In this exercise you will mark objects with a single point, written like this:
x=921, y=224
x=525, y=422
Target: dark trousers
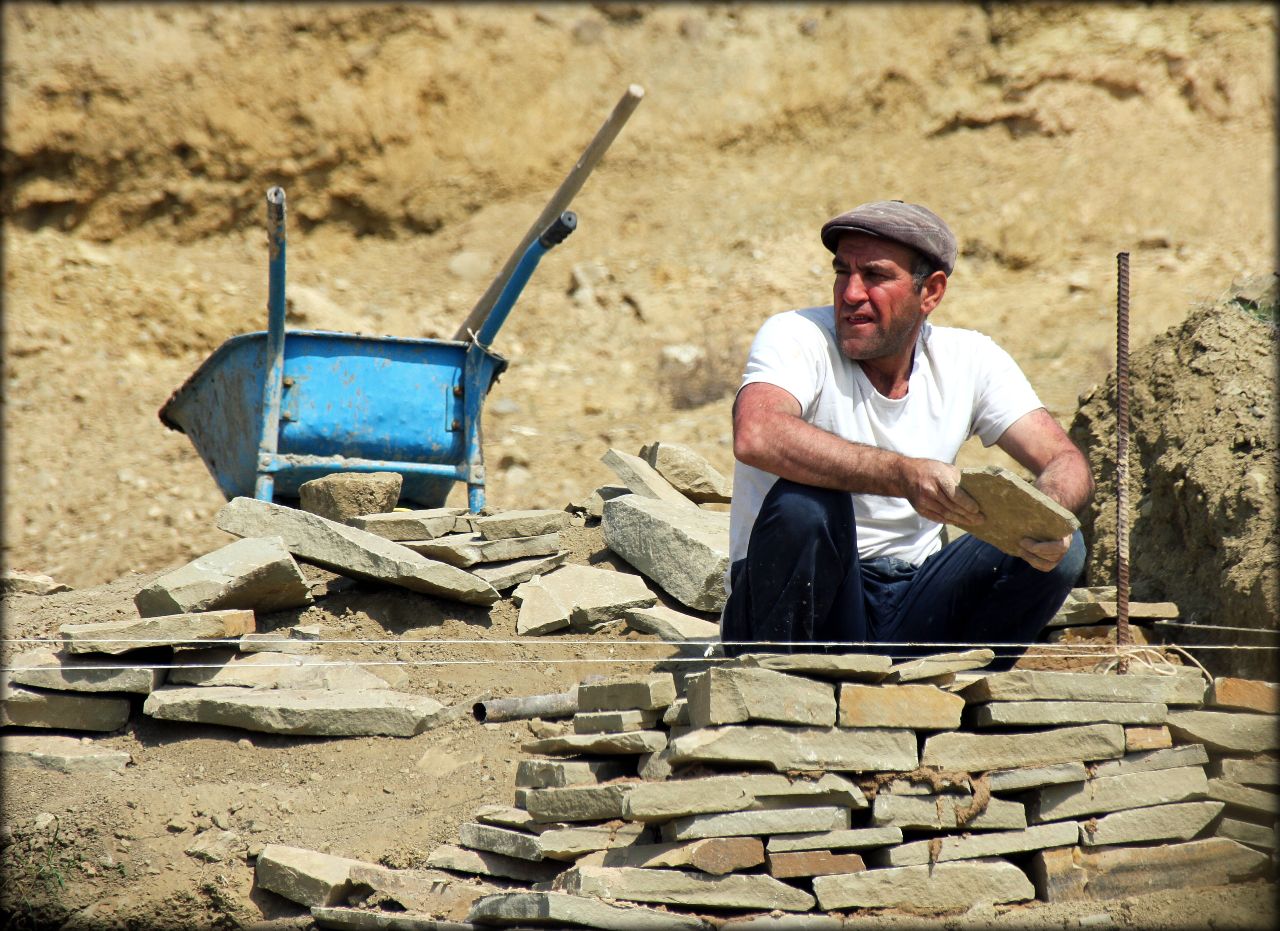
x=802, y=580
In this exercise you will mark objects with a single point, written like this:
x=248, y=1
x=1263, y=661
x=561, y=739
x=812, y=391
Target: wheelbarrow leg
x=264, y=487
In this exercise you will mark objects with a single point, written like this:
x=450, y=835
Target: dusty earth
x=416, y=144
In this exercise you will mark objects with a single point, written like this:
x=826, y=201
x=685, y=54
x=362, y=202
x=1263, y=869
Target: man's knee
x=805, y=509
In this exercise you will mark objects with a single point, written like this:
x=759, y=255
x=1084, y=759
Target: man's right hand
x=933, y=489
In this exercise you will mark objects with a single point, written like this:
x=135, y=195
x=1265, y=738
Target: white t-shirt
x=961, y=384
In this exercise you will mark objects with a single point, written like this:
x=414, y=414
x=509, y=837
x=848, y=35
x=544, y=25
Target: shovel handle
x=558, y=204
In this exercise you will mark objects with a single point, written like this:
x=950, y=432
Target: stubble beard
x=889, y=342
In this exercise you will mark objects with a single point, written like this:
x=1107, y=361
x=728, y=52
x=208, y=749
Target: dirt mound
x=1203, y=476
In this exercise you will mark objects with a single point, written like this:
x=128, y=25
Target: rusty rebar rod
x=1124, y=636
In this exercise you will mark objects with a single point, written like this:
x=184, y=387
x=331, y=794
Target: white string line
x=1086, y=651
x=161, y=641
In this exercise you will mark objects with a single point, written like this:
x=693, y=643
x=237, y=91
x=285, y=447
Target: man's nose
x=854, y=292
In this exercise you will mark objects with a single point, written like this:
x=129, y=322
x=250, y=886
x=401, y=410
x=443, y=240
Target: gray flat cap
x=909, y=224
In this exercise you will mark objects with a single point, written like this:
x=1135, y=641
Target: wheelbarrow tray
x=376, y=402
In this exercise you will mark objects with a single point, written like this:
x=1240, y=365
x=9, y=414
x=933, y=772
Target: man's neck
x=890, y=376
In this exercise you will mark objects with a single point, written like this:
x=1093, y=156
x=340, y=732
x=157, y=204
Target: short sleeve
x=1002, y=393
x=789, y=351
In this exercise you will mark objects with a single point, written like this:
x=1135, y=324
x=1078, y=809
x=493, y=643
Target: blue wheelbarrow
x=269, y=411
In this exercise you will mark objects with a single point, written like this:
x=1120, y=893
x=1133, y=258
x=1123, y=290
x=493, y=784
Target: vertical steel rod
x=1124, y=637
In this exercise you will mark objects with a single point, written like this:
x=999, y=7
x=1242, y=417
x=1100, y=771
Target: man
x=845, y=432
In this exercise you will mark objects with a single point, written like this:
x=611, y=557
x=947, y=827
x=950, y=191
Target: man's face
x=878, y=311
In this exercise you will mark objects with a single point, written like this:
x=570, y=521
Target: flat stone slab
x=256, y=574
x=682, y=548
x=499, y=840
x=1151, y=760
x=747, y=823
x=467, y=549
x=1013, y=508
x=803, y=863
x=979, y=752
x=1113, y=793
x=633, y=742
x=15, y=581
x=667, y=624
x=939, y=664
x=850, y=839
x=1105, y=610
x=1246, y=832
x=262, y=670
x=558, y=910
x=544, y=774
x=957, y=884
x=352, y=552
x=73, y=711
x=431, y=891
x=614, y=722
x=316, y=712
x=307, y=877
x=586, y=597
x=688, y=472
x=509, y=573
x=296, y=640
x=844, y=667
x=727, y=695
x=676, y=887
x=1239, y=796
x=1179, y=821
x=662, y=801
x=799, y=748
x=922, y=707
x=412, y=525
x=1153, y=737
x=1245, y=695
x=1072, y=874
x=513, y=524
x=973, y=846
x=1257, y=772
x=484, y=863
x=541, y=611
x=643, y=480
x=1228, y=731
x=1024, y=713
x=66, y=672
x=116, y=637
x=1038, y=685
x=571, y=843
x=646, y=692
x=946, y=812
x=60, y=754
x=714, y=855
x=579, y=803
x=1032, y=777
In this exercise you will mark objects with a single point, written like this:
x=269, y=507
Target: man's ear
x=932, y=290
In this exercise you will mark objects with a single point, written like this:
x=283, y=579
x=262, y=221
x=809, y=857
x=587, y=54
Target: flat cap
x=909, y=224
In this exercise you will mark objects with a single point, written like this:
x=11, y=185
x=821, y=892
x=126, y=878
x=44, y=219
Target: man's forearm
x=790, y=448
x=1066, y=480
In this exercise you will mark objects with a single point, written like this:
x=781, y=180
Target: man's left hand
x=1044, y=554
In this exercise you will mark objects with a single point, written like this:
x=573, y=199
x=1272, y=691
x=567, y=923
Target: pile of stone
x=820, y=784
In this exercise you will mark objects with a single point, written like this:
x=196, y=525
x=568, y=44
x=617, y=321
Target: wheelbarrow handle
x=554, y=234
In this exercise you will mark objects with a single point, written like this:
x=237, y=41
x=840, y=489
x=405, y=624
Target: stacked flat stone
x=809, y=784
x=504, y=549
x=1089, y=616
